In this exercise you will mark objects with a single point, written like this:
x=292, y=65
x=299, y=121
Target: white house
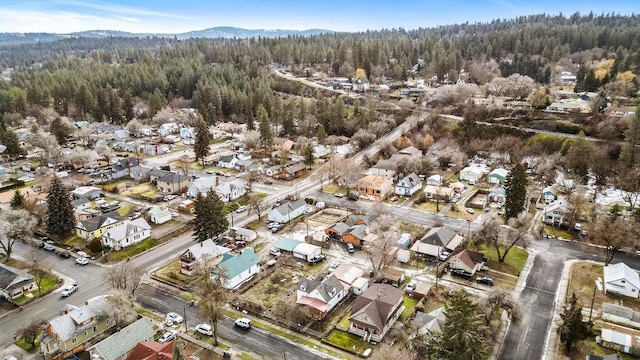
x=621, y=279
x=231, y=190
x=467, y=261
x=306, y=251
x=202, y=186
x=438, y=239
x=471, y=173
x=435, y=180
x=87, y=192
x=203, y=253
x=238, y=269
x=556, y=212
x=244, y=234
x=498, y=176
x=319, y=298
x=159, y=215
x=228, y=162
x=288, y=211
x=129, y=233
x=168, y=129
x=408, y=185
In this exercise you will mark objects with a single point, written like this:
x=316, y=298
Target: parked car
x=82, y=254
x=64, y=254
x=460, y=273
x=339, y=195
x=485, y=280
x=411, y=286
x=174, y=317
x=168, y=336
x=275, y=252
x=273, y=224
x=242, y=209
x=204, y=329
x=82, y=261
x=350, y=248
x=49, y=247
x=469, y=210
x=69, y=290
x=444, y=255
x=316, y=259
x=169, y=197
x=277, y=228
x=243, y=323
x=272, y=262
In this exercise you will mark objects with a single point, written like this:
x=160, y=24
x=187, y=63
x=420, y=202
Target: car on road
x=82, y=261
x=485, y=280
x=461, y=273
x=243, y=323
x=469, y=210
x=69, y=290
x=204, y=329
x=220, y=173
x=64, y=254
x=169, y=197
x=49, y=247
x=339, y=195
x=168, y=336
x=411, y=286
x=242, y=209
x=275, y=252
x=174, y=317
x=316, y=259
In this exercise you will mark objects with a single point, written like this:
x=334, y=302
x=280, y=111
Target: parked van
x=243, y=323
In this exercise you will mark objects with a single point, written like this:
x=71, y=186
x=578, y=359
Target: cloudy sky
x=161, y=16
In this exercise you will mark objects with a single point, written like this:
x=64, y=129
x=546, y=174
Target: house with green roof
x=235, y=271
x=120, y=344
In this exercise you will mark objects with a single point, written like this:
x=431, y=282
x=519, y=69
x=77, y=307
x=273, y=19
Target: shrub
x=95, y=246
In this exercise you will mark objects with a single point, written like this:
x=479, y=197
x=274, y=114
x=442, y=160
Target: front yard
x=144, y=245
x=346, y=341
x=512, y=264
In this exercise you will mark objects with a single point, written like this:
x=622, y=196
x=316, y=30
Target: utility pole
x=593, y=299
x=184, y=314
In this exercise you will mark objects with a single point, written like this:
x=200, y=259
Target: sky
x=164, y=16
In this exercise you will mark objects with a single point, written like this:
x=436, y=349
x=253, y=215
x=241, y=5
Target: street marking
x=38, y=312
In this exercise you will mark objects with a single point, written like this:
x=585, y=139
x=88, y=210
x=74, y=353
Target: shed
x=306, y=251
x=498, y=176
x=360, y=285
x=286, y=244
x=244, y=234
x=421, y=290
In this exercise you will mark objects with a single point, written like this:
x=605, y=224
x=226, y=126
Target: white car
x=168, y=336
x=411, y=286
x=275, y=252
x=69, y=290
x=243, y=323
x=241, y=209
x=174, y=317
x=204, y=329
x=470, y=210
x=82, y=261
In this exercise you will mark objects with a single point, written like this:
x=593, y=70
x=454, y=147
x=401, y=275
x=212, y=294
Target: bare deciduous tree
x=258, y=204
x=80, y=158
x=503, y=238
x=213, y=298
x=29, y=333
x=613, y=233
x=39, y=268
x=17, y=225
x=501, y=300
x=125, y=277
x=134, y=126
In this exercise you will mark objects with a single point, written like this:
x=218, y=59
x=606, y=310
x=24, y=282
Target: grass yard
x=331, y=188
x=48, y=283
x=346, y=341
x=459, y=211
x=150, y=314
x=111, y=187
x=513, y=263
x=172, y=274
x=124, y=211
x=75, y=241
x=144, y=189
x=28, y=347
x=429, y=206
x=132, y=250
x=254, y=225
x=344, y=323
x=244, y=356
x=557, y=232
x=410, y=307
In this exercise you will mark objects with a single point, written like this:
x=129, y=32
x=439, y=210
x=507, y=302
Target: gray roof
x=67, y=325
x=158, y=172
x=621, y=311
x=126, y=339
x=11, y=277
x=127, y=163
x=328, y=288
x=96, y=222
x=439, y=236
x=172, y=178
x=290, y=206
x=207, y=248
x=411, y=179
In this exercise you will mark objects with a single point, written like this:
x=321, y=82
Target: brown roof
x=375, y=305
x=469, y=258
x=294, y=168
x=390, y=273
x=152, y=350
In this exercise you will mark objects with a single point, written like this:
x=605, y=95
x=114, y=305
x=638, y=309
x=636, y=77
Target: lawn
x=344, y=323
x=557, y=232
x=459, y=211
x=410, y=307
x=346, y=341
x=27, y=347
x=172, y=274
x=111, y=187
x=48, y=283
x=150, y=314
x=75, y=241
x=513, y=263
x=429, y=206
x=132, y=250
x=124, y=211
x=331, y=188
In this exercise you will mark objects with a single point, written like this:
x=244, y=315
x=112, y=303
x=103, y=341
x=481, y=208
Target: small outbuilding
x=306, y=251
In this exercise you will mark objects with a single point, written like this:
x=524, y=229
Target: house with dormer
x=437, y=240
x=320, y=297
x=205, y=253
x=122, y=168
x=68, y=333
x=202, y=186
x=375, y=311
x=96, y=226
x=129, y=233
x=231, y=190
x=173, y=183
x=556, y=213
x=408, y=185
x=15, y=282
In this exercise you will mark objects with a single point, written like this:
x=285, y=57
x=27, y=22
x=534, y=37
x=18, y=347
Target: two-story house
x=122, y=167
x=320, y=297
x=557, y=212
x=231, y=190
x=236, y=270
x=173, y=183
x=66, y=334
x=408, y=185
x=96, y=226
x=378, y=187
x=129, y=233
x=202, y=186
x=375, y=311
x=203, y=254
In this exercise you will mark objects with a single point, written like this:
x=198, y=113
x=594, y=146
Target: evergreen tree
x=309, y=159
x=202, y=140
x=516, y=191
x=630, y=153
x=321, y=134
x=18, y=200
x=264, y=126
x=464, y=332
x=156, y=102
x=60, y=131
x=210, y=217
x=60, y=218
x=573, y=328
x=9, y=139
x=127, y=106
x=288, y=125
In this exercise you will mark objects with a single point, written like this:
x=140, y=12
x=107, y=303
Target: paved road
x=255, y=341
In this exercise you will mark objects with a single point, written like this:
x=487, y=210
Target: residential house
x=377, y=187
x=375, y=311
x=498, y=176
x=87, y=192
x=384, y=167
x=441, y=193
x=227, y=162
x=152, y=350
x=243, y=234
x=348, y=274
x=173, y=183
x=361, y=84
x=129, y=233
x=410, y=153
x=320, y=297
x=168, y=129
x=430, y=323
x=467, y=261
x=245, y=165
x=122, y=168
x=556, y=212
x=549, y=194
x=201, y=254
x=622, y=280
x=354, y=234
x=119, y=345
x=437, y=240
x=472, y=174
x=154, y=149
x=155, y=174
x=288, y=211
x=570, y=106
x=66, y=334
x=96, y=226
x=457, y=187
x=408, y=185
x=15, y=282
x=435, y=180
x=620, y=328
x=269, y=170
x=286, y=244
x=306, y=251
x=498, y=194
x=391, y=275
x=202, y=186
x=236, y=270
x=139, y=173
x=282, y=144
x=354, y=219
x=81, y=204
x=159, y=215
x=120, y=135
x=231, y=190
x=292, y=171
x=321, y=151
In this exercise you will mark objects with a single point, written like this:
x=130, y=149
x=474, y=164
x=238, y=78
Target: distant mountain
x=212, y=33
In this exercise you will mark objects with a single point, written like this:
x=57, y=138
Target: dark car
x=485, y=280
x=64, y=254
x=316, y=259
x=460, y=273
